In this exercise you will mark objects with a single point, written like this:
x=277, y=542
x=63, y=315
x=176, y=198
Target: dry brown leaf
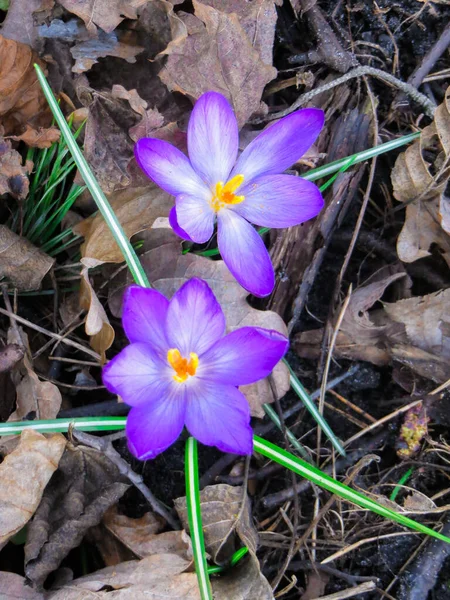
x=422, y=184
x=243, y=582
x=38, y=138
x=22, y=101
x=142, y=536
x=157, y=577
x=97, y=324
x=21, y=262
x=167, y=269
x=151, y=119
x=87, y=53
x=13, y=175
x=10, y=356
x=85, y=486
x=136, y=209
x=20, y=494
x=258, y=19
x=225, y=512
x=15, y=587
x=106, y=14
x=218, y=46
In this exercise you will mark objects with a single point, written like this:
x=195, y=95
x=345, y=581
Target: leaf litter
x=134, y=69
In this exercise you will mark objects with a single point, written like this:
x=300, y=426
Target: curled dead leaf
x=87, y=53
x=97, y=324
x=21, y=262
x=107, y=14
x=218, y=45
x=21, y=494
x=15, y=587
x=167, y=269
x=10, y=355
x=22, y=102
x=422, y=185
x=13, y=175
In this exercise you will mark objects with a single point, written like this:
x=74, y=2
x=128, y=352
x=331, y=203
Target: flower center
x=182, y=366
x=224, y=194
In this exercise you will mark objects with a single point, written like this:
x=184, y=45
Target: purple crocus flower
x=180, y=369
x=214, y=184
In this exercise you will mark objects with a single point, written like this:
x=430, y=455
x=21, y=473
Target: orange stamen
x=224, y=194
x=182, y=366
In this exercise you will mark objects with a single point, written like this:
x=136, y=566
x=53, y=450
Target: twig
x=428, y=106
x=104, y=444
x=362, y=588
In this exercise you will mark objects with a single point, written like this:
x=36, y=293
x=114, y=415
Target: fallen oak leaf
x=107, y=14
x=21, y=262
x=167, y=270
x=21, y=494
x=85, y=486
x=218, y=45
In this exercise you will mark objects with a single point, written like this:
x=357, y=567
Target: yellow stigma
x=182, y=366
x=224, y=194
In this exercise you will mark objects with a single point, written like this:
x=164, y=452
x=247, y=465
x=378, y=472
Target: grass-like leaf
x=100, y=199
x=195, y=519
x=323, y=480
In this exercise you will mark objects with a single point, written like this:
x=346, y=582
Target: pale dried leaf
x=13, y=175
x=9, y=356
x=225, y=512
x=157, y=577
x=167, y=269
x=21, y=494
x=21, y=262
x=38, y=138
x=106, y=14
x=97, y=324
x=135, y=208
x=20, y=20
x=416, y=180
x=15, y=587
x=417, y=502
x=85, y=486
x=217, y=45
x=243, y=582
x=142, y=536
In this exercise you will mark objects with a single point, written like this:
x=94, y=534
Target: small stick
x=362, y=588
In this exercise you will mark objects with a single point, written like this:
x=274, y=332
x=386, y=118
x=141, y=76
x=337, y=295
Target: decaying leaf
x=217, y=45
x=15, y=587
x=86, y=484
x=136, y=209
x=422, y=184
x=21, y=493
x=87, y=53
x=414, y=332
x=10, y=355
x=22, y=101
x=258, y=19
x=13, y=175
x=225, y=512
x=21, y=262
x=243, y=582
x=19, y=23
x=142, y=536
x=106, y=14
x=167, y=269
x=97, y=324
x=151, y=120
x=156, y=577
x=414, y=428
x=38, y=138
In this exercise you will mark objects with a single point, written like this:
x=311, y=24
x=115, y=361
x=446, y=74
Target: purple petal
x=213, y=138
x=243, y=356
x=153, y=427
x=280, y=145
x=138, y=375
x=196, y=217
x=219, y=415
x=144, y=317
x=169, y=168
x=195, y=320
x=173, y=222
x=279, y=201
x=244, y=253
